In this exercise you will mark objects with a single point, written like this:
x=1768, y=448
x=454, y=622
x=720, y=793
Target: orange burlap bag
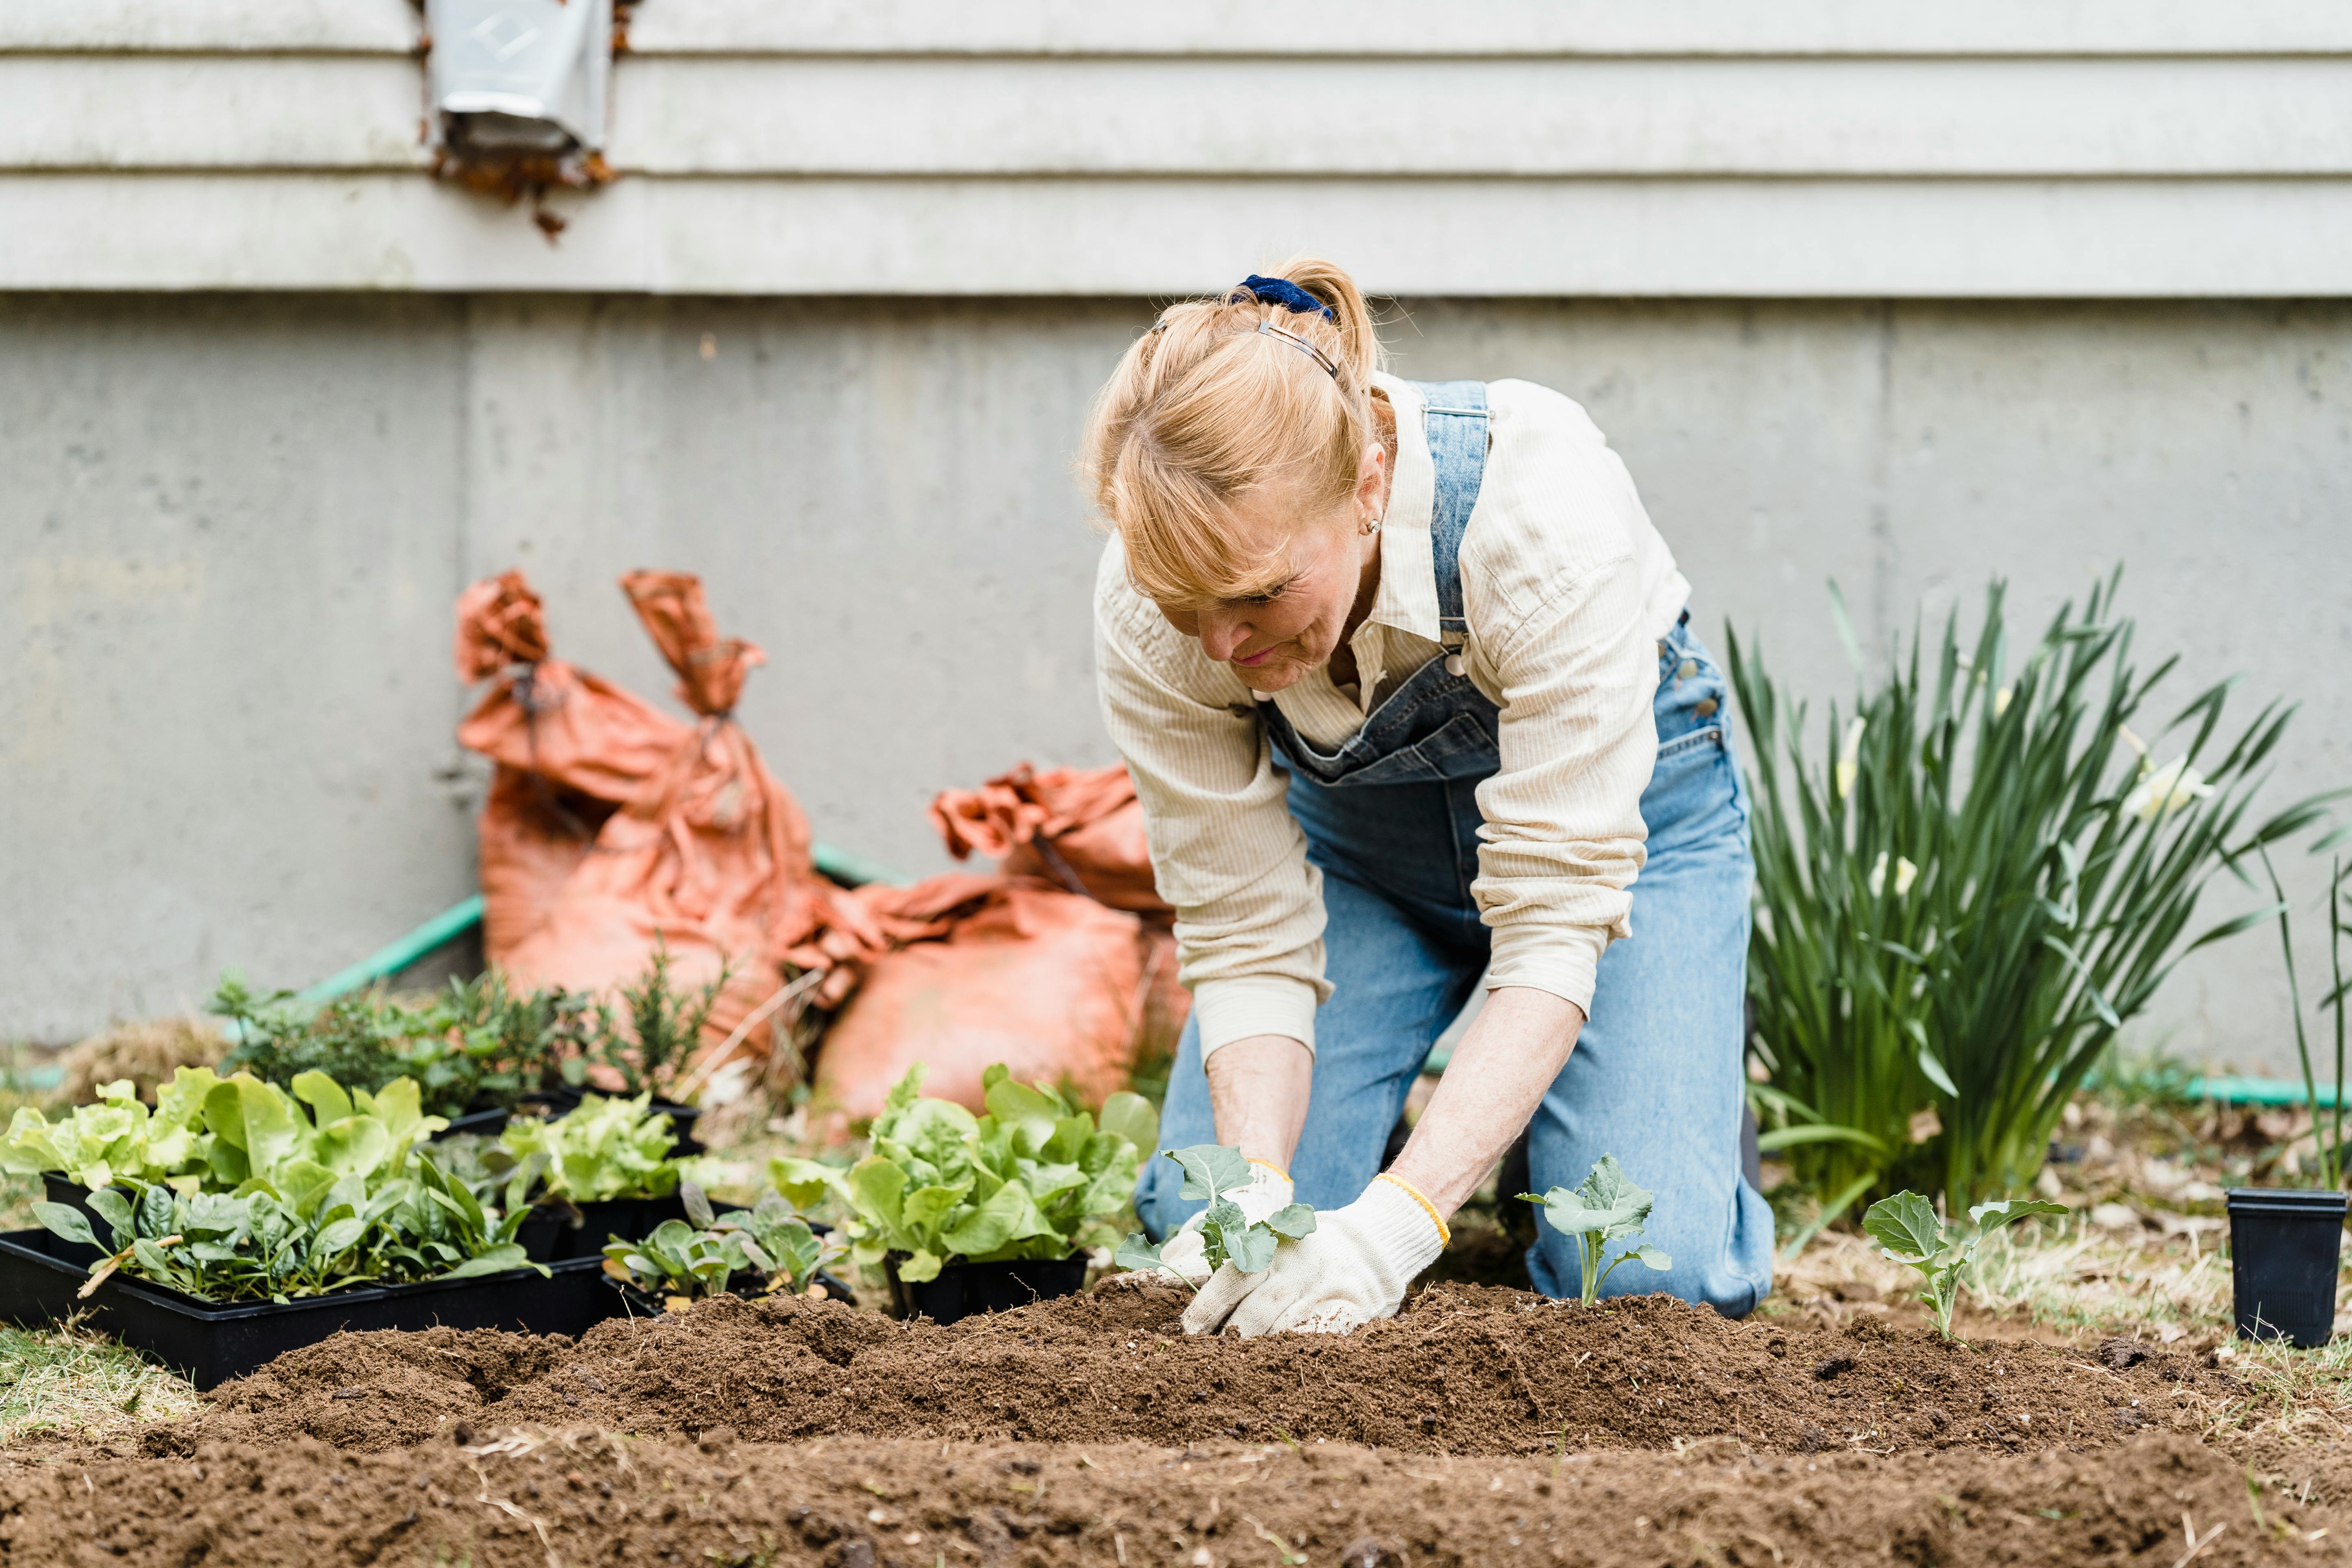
x=1080, y=828
x=994, y=969
x=570, y=748
x=709, y=857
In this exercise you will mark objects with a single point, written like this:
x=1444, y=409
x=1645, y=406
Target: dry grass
x=70, y=1382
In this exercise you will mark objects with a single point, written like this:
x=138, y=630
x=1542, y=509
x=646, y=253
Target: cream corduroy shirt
x=1567, y=588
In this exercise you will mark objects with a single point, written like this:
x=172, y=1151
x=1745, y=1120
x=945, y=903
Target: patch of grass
x=82, y=1384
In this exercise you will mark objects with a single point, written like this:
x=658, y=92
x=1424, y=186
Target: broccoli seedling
x=1906, y=1227
x=1605, y=1208
x=1227, y=1235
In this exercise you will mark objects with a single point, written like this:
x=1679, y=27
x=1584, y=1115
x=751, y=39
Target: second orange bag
x=1005, y=970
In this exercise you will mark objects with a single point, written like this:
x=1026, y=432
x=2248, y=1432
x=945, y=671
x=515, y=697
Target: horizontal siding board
x=1526, y=237
x=177, y=112
x=1226, y=28
x=1034, y=117
x=1517, y=118
x=1412, y=28
x=210, y=26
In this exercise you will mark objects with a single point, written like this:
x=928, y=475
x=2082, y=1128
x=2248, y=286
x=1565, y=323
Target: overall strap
x=1454, y=417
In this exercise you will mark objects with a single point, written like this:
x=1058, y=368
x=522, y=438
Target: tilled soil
x=1464, y=1371
x=1481, y=1426
x=541, y=1499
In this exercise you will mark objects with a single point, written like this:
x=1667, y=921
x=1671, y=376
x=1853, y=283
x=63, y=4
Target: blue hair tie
x=1282, y=291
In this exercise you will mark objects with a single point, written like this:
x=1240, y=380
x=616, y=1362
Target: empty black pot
x=2283, y=1249
x=964, y=1289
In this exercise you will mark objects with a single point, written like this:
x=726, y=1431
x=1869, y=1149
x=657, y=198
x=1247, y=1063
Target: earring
x=1368, y=527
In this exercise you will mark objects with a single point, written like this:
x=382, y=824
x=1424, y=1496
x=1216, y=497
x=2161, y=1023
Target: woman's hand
x=1360, y=1260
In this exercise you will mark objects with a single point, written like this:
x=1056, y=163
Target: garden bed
x=1482, y=1427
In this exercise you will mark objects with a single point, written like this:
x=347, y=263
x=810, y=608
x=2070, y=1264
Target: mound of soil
x=1464, y=1371
x=533, y=1499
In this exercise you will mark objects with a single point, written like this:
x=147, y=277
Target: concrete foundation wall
x=231, y=528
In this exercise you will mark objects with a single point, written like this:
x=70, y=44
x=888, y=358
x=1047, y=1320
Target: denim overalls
x=1392, y=819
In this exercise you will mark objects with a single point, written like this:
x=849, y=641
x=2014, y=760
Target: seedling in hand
x=1227, y=1235
x=1606, y=1207
x=1906, y=1227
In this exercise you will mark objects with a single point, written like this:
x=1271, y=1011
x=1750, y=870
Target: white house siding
x=1900, y=295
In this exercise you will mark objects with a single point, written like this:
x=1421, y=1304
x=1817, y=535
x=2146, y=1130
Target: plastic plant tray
x=210, y=1343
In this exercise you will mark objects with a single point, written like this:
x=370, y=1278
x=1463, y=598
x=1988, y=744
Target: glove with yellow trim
x=1185, y=1252
x=1353, y=1267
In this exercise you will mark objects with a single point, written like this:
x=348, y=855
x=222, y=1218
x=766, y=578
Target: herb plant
x=474, y=1045
x=1604, y=1207
x=658, y=1028
x=1227, y=1235
x=1906, y=1227
x=606, y=1149
x=1966, y=893
x=1034, y=1178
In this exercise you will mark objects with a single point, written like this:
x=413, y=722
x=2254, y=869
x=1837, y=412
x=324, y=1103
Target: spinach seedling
x=1606, y=1207
x=1227, y=1235
x=1906, y=1227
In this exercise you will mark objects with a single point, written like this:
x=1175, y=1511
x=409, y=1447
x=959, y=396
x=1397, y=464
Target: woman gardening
x=1404, y=677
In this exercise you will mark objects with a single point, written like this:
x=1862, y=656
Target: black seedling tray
x=965, y=1289
x=212, y=1344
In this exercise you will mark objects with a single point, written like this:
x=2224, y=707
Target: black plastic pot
x=212, y=1344
x=2283, y=1250
x=965, y=1289
x=581, y=1230
x=488, y=1124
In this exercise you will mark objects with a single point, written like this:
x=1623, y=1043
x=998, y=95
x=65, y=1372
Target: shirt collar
x=1407, y=598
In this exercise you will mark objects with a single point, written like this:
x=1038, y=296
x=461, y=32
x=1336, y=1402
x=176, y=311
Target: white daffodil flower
x=1906, y=873
x=2166, y=790
x=2000, y=700
x=1849, y=763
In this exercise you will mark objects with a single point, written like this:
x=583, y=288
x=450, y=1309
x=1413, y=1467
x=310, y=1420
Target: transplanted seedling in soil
x=1906, y=1227
x=1227, y=1235
x=1605, y=1208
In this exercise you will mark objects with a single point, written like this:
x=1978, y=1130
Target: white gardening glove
x=1268, y=1190
x=1352, y=1269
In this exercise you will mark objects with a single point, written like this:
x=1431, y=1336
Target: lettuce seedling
x=1605, y=1208
x=1033, y=1178
x=606, y=1149
x=1906, y=1227
x=1227, y=1235
x=119, y=1139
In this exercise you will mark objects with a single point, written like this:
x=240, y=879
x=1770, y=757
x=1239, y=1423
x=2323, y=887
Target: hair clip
x=1325, y=361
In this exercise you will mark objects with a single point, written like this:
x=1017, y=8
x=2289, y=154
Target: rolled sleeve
x=1563, y=837
x=1224, y=850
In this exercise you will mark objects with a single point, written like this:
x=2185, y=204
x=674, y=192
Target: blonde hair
x=1207, y=407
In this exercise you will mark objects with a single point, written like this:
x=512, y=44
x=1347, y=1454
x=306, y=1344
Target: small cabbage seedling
x=687, y=1260
x=1906, y=1227
x=1227, y=1235
x=1606, y=1207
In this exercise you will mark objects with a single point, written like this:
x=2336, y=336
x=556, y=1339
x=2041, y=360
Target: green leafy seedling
x=1605, y=1208
x=1906, y=1227
x=1227, y=1235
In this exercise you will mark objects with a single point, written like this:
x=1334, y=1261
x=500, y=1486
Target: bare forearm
x=1258, y=1089
x=1510, y=1056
